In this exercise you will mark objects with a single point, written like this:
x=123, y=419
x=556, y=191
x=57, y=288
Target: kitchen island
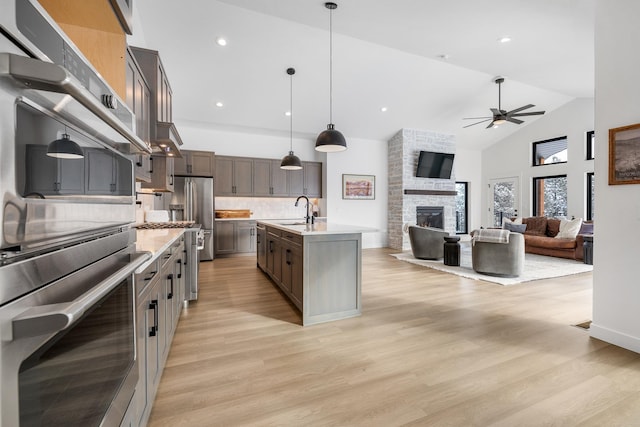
x=317, y=266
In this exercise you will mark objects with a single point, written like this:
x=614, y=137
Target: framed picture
x=624, y=155
x=358, y=187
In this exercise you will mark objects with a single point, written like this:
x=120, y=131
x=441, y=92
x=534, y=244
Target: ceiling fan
x=501, y=116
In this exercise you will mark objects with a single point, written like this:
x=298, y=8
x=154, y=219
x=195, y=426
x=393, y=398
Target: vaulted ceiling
x=428, y=62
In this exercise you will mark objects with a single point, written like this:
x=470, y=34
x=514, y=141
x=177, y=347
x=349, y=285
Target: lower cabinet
x=235, y=237
x=261, y=246
x=159, y=289
x=284, y=262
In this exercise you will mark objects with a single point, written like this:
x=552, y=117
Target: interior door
x=504, y=199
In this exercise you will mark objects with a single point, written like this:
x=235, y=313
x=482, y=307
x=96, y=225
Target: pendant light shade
x=331, y=140
x=65, y=148
x=291, y=161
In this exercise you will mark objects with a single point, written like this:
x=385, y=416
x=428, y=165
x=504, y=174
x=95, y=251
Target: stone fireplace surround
x=407, y=192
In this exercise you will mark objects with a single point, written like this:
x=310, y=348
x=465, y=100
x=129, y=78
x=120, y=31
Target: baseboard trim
x=615, y=337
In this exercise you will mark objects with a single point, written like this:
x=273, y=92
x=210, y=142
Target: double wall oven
x=67, y=246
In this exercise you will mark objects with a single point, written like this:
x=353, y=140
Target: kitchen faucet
x=308, y=217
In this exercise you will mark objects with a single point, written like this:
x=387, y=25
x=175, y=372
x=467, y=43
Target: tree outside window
x=550, y=196
x=462, y=226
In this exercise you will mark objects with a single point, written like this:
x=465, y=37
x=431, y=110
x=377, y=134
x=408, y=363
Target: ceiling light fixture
x=504, y=39
x=219, y=104
x=291, y=161
x=64, y=148
x=383, y=109
x=330, y=140
x=221, y=41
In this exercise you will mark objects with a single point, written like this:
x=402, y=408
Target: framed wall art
x=358, y=187
x=624, y=155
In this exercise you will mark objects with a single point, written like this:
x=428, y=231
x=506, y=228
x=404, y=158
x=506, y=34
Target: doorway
x=504, y=199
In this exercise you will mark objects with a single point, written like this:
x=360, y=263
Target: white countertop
x=299, y=227
x=155, y=241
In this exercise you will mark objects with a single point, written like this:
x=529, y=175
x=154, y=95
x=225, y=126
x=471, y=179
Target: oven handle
x=46, y=76
x=52, y=318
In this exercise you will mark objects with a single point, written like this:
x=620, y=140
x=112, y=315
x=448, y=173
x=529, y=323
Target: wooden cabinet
x=106, y=174
x=291, y=259
x=233, y=176
x=195, y=163
x=268, y=179
x=242, y=176
x=138, y=99
x=162, y=175
x=261, y=246
x=235, y=237
x=274, y=254
x=50, y=176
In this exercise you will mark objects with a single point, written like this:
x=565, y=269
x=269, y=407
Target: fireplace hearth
x=430, y=216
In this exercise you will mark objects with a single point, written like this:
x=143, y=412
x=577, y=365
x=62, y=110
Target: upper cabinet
x=124, y=12
x=243, y=176
x=163, y=134
x=162, y=174
x=138, y=99
x=195, y=163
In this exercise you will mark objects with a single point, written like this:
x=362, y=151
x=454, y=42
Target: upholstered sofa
x=540, y=238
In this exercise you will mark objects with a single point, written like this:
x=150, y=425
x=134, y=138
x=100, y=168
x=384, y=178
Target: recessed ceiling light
x=287, y=113
x=219, y=104
x=221, y=41
x=383, y=109
x=504, y=39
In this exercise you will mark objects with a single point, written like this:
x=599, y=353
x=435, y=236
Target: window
x=550, y=151
x=590, y=195
x=462, y=206
x=550, y=196
x=591, y=141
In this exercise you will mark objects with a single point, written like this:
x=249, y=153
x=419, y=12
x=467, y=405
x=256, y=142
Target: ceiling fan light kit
x=501, y=116
x=291, y=161
x=331, y=140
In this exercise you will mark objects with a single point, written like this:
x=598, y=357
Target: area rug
x=536, y=267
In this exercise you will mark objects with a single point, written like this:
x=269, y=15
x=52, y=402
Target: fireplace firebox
x=430, y=216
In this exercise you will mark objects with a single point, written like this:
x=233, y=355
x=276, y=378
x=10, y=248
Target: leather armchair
x=427, y=242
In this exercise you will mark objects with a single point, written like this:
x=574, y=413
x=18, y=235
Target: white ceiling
x=386, y=53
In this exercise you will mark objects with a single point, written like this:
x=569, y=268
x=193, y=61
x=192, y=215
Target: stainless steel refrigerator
x=192, y=200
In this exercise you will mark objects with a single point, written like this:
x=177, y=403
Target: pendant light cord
x=291, y=112
x=330, y=65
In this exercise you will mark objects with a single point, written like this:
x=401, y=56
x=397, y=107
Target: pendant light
x=330, y=140
x=64, y=148
x=291, y=161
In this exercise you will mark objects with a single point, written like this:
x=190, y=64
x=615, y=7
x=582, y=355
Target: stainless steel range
x=67, y=246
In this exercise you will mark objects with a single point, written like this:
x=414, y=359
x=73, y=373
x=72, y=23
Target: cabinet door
x=261, y=247
x=285, y=260
x=180, y=165
x=224, y=176
x=261, y=177
x=201, y=163
x=279, y=186
x=296, y=276
x=225, y=237
x=143, y=167
x=296, y=182
x=243, y=177
x=101, y=174
x=245, y=236
x=274, y=257
x=312, y=179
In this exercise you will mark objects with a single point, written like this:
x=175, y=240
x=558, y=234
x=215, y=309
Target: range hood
x=167, y=140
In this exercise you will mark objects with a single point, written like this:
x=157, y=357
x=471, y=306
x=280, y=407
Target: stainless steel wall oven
x=67, y=246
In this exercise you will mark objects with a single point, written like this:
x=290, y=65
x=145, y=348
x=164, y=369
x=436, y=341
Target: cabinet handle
x=186, y=256
x=56, y=186
x=150, y=276
x=170, y=294
x=180, y=271
x=139, y=162
x=171, y=179
x=233, y=189
x=270, y=245
x=151, y=164
x=153, y=305
x=189, y=169
x=288, y=257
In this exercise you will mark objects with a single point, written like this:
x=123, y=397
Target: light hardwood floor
x=430, y=349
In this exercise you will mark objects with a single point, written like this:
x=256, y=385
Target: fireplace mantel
x=430, y=192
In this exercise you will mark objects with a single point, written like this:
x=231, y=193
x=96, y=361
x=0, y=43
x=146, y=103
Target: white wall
x=616, y=294
x=512, y=157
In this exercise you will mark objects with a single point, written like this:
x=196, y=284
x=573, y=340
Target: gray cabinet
x=233, y=176
x=307, y=181
x=261, y=246
x=162, y=175
x=138, y=99
x=235, y=237
x=161, y=104
x=195, y=163
x=274, y=254
x=291, y=260
x=105, y=174
x=50, y=176
x=268, y=179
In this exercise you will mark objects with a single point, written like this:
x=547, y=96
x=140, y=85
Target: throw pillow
x=518, y=220
x=514, y=228
x=536, y=225
x=569, y=228
x=586, y=228
x=553, y=227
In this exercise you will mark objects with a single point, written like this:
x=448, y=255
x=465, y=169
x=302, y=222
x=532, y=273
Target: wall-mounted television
x=434, y=165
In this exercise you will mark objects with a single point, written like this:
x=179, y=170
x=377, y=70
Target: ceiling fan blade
x=490, y=125
x=520, y=109
x=496, y=112
x=512, y=120
x=476, y=118
x=533, y=113
x=477, y=123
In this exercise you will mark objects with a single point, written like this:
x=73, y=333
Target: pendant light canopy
x=331, y=140
x=64, y=148
x=291, y=161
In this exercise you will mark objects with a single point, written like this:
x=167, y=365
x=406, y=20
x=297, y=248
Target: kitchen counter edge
x=155, y=242
x=317, y=228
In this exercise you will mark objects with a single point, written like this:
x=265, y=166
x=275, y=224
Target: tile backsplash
x=267, y=208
